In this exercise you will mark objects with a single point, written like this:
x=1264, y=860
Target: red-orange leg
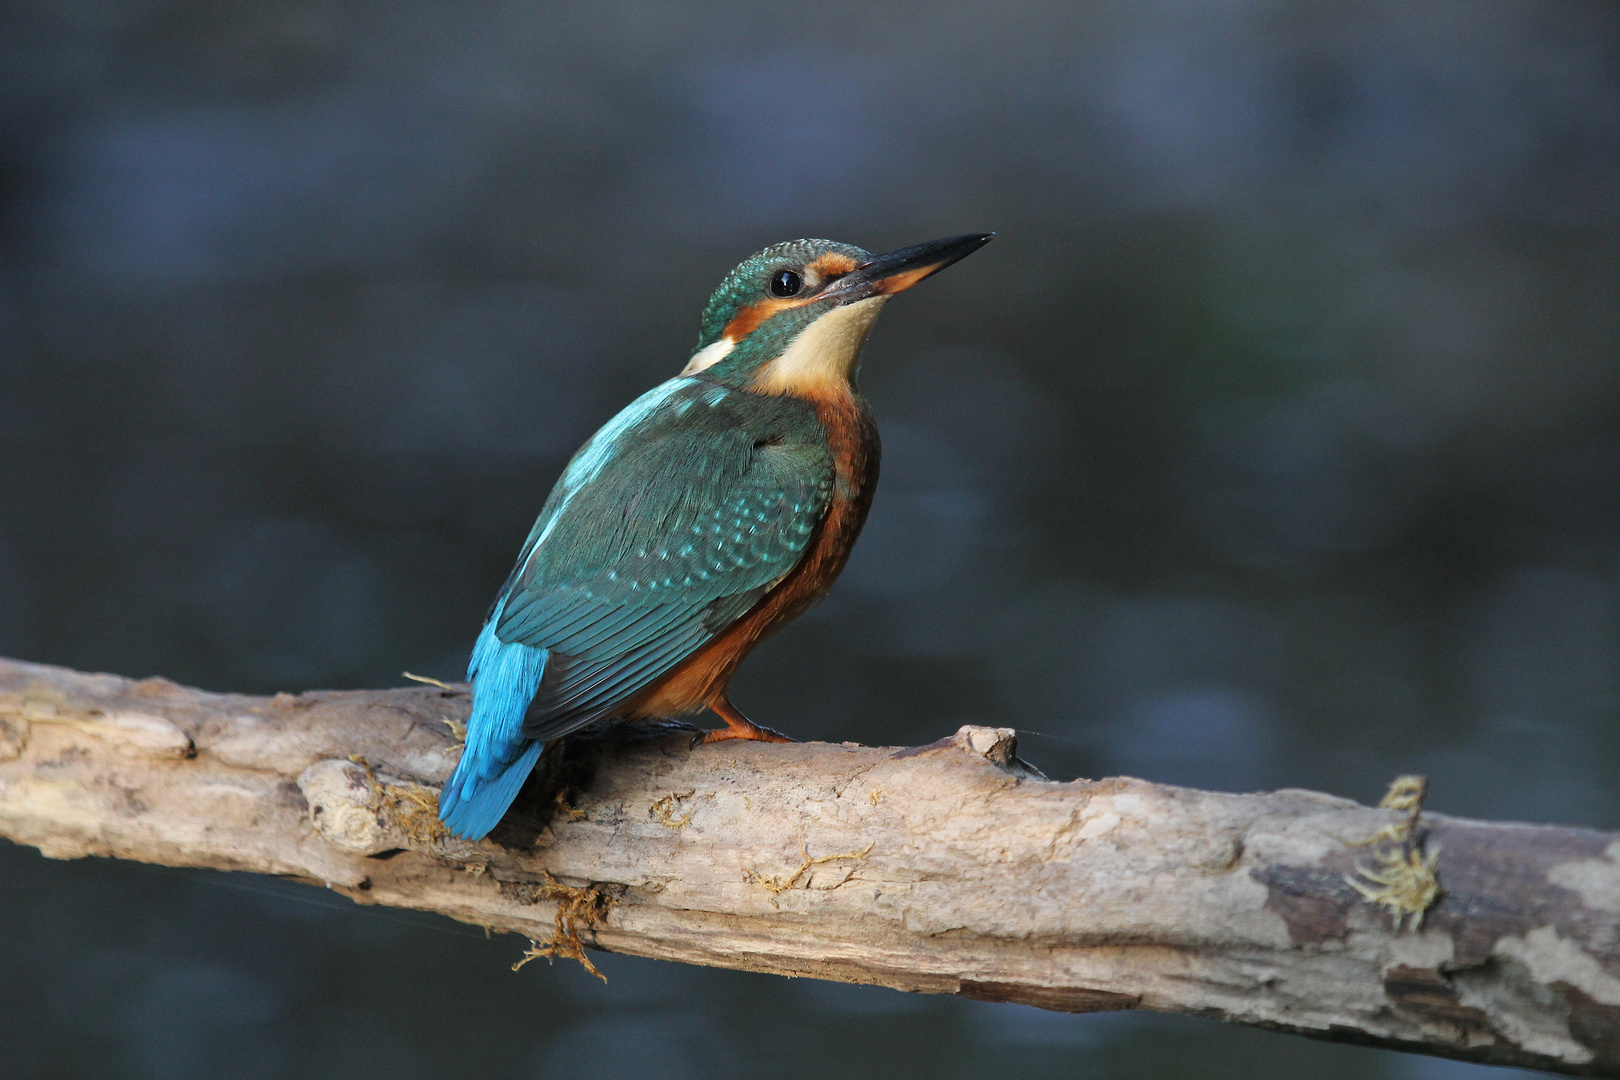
x=737, y=726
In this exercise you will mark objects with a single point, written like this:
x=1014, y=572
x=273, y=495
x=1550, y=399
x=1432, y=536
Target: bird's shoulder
x=693, y=486
x=699, y=425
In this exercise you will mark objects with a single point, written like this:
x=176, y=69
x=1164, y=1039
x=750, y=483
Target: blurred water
x=1273, y=442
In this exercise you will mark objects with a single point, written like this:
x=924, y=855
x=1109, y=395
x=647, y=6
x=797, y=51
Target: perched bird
x=714, y=509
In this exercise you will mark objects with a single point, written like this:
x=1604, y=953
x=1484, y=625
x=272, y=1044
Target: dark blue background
x=1274, y=442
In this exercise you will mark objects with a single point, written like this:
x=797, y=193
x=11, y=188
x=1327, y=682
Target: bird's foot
x=755, y=732
x=737, y=726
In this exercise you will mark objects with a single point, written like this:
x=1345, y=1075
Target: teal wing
x=657, y=541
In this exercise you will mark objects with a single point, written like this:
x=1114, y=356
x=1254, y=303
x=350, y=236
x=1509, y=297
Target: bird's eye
x=786, y=283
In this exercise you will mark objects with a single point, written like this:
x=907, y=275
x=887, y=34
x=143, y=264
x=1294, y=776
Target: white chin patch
x=825, y=353
x=708, y=356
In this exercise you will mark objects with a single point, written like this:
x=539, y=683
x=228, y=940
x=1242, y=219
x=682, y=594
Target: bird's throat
x=820, y=362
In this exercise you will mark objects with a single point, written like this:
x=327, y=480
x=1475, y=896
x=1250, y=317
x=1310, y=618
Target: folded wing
x=678, y=531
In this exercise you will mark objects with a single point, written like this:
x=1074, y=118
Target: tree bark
x=949, y=868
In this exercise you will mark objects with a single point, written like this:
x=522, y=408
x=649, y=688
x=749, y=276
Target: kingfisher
x=711, y=511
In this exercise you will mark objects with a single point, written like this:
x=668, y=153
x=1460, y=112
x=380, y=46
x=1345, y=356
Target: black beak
x=898, y=270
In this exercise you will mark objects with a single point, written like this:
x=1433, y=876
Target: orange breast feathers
x=702, y=677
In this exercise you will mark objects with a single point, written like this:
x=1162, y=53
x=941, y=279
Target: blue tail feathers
x=471, y=814
x=497, y=758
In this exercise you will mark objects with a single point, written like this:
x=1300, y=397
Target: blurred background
x=1274, y=442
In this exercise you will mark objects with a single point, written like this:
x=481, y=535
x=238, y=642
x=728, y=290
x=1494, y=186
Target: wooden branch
x=948, y=868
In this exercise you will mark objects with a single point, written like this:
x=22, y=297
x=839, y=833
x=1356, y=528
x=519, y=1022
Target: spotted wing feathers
x=680, y=529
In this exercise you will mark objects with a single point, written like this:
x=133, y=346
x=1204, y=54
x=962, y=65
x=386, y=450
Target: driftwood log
x=951, y=868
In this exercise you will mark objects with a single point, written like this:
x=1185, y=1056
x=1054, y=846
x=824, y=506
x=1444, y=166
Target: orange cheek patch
x=747, y=320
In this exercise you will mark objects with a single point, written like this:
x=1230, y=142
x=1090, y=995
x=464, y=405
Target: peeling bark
x=949, y=868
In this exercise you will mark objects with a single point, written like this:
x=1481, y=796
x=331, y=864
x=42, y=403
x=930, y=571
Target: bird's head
x=792, y=319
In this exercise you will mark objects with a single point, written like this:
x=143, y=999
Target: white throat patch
x=825, y=353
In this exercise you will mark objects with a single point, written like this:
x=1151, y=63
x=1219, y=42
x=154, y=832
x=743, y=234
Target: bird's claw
x=759, y=733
